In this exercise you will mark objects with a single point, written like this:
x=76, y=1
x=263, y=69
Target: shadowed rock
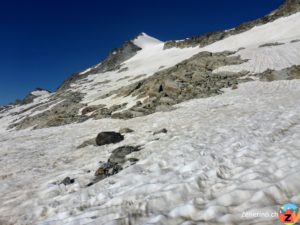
x=67, y=181
x=109, y=137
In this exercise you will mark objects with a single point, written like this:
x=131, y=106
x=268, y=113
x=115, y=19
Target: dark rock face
x=289, y=7
x=116, y=57
x=108, y=137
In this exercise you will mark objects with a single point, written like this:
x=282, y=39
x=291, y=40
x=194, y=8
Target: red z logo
x=287, y=218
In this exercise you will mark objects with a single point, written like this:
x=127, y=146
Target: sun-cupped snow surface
x=283, y=30
x=222, y=156
x=275, y=57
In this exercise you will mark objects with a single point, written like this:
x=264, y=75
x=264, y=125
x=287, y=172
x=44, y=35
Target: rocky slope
x=178, y=132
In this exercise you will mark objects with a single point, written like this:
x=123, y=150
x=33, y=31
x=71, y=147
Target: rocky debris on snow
x=108, y=137
x=162, y=131
x=65, y=112
x=118, y=155
x=192, y=78
x=284, y=74
x=101, y=112
x=67, y=181
x=294, y=41
x=108, y=169
x=115, y=162
x=270, y=44
x=91, y=108
x=289, y=7
x=125, y=130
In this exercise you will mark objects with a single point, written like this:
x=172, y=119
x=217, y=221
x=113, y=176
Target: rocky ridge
x=288, y=8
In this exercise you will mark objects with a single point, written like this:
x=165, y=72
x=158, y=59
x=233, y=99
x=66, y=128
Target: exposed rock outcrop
x=113, y=62
x=192, y=78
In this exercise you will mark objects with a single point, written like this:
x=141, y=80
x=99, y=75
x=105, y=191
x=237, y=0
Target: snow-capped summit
x=143, y=40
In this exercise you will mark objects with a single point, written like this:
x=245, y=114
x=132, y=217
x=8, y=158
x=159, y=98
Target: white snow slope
x=222, y=156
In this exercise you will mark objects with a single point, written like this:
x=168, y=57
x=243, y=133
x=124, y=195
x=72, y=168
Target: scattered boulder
x=115, y=162
x=67, y=181
x=162, y=131
x=125, y=130
x=118, y=155
x=108, y=137
x=88, y=143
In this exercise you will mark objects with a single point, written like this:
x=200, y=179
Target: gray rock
x=294, y=41
x=270, y=44
x=108, y=137
x=125, y=130
x=118, y=155
x=88, y=143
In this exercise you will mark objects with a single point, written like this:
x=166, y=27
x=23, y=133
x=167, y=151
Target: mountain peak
x=143, y=40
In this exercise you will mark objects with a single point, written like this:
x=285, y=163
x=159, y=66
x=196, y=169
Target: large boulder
x=109, y=137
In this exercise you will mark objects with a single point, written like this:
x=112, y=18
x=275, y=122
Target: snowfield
x=222, y=156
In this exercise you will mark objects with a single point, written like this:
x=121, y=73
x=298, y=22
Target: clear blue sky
x=42, y=42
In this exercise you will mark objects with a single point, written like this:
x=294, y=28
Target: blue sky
x=42, y=42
